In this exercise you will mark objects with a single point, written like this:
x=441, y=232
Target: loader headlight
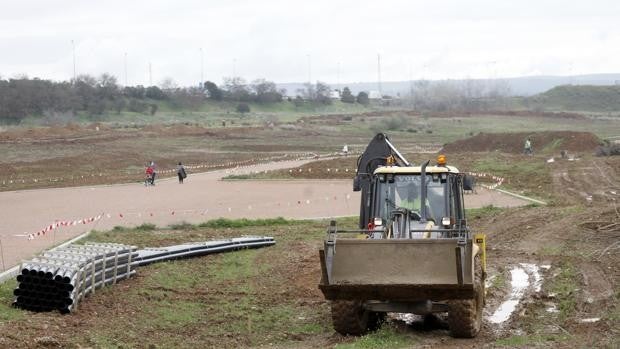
x=446, y=221
x=378, y=222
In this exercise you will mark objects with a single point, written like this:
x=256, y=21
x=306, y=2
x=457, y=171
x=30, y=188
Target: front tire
x=465, y=315
x=350, y=318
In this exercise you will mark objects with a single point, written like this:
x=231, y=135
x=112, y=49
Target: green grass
x=499, y=281
x=385, y=337
x=564, y=286
x=173, y=314
x=243, y=222
x=237, y=266
x=483, y=212
x=7, y=312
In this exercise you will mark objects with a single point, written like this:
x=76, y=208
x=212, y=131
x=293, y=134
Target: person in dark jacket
x=181, y=173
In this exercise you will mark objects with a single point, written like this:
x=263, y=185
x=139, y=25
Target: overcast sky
x=278, y=39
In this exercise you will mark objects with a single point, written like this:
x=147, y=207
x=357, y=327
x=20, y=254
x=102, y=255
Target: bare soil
x=514, y=142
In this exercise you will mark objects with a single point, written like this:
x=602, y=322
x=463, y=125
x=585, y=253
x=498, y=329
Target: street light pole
x=125, y=64
x=73, y=47
x=202, y=69
x=309, y=69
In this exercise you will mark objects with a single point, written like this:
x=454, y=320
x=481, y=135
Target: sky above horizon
x=297, y=41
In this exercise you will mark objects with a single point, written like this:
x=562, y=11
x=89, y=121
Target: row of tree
x=24, y=97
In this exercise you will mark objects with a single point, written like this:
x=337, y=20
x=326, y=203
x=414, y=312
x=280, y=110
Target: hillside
x=581, y=98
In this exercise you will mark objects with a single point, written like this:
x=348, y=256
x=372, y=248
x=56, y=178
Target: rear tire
x=465, y=315
x=350, y=318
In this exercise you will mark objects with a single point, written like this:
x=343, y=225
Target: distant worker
x=149, y=175
x=527, y=149
x=154, y=167
x=181, y=173
x=345, y=149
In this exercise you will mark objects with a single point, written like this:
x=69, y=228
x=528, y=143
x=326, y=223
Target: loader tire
x=350, y=318
x=465, y=315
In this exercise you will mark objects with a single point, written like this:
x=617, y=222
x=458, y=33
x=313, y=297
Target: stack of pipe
x=59, y=279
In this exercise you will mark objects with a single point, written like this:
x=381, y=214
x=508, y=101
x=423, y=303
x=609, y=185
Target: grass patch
x=385, y=337
x=564, y=286
x=7, y=312
x=182, y=226
x=238, y=265
x=499, y=281
x=146, y=227
x=243, y=222
x=483, y=212
x=171, y=314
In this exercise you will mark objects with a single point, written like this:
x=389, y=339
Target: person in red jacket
x=149, y=175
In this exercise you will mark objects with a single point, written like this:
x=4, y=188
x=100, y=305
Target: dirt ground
x=514, y=142
x=203, y=196
x=574, y=244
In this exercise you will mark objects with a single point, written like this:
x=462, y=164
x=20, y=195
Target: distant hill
x=519, y=86
x=584, y=98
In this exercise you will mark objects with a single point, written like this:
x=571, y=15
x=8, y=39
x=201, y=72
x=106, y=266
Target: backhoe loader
x=413, y=251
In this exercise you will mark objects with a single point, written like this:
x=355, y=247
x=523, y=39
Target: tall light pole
x=202, y=67
x=125, y=64
x=73, y=47
x=309, y=69
x=234, y=67
x=379, y=73
x=338, y=77
x=150, y=75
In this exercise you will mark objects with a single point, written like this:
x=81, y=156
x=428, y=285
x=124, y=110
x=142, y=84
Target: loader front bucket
x=396, y=270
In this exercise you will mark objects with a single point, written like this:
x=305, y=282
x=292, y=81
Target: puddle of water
x=552, y=308
x=406, y=317
x=534, y=271
x=519, y=282
x=589, y=320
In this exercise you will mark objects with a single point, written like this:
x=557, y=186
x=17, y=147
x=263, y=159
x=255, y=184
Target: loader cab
x=400, y=188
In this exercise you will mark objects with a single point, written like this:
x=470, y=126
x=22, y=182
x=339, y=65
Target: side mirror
x=357, y=185
x=469, y=182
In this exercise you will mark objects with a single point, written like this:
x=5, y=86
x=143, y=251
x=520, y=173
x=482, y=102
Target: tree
x=134, y=91
x=214, y=92
x=266, y=91
x=154, y=108
x=236, y=89
x=323, y=92
x=154, y=92
x=362, y=98
x=347, y=96
x=243, y=108
x=107, y=86
x=298, y=101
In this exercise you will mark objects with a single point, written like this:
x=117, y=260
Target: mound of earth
x=514, y=142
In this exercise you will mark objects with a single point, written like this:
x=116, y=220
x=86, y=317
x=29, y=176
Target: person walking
x=149, y=175
x=153, y=167
x=527, y=148
x=181, y=172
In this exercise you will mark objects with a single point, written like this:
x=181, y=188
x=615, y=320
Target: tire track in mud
x=525, y=281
